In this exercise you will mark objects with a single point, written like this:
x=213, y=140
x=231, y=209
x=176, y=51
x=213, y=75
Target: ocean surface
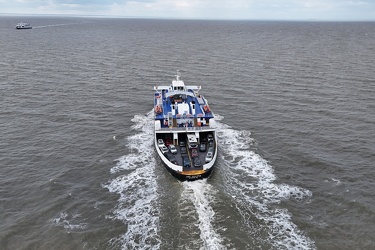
x=295, y=111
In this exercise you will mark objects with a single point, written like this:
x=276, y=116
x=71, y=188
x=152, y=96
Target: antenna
x=178, y=75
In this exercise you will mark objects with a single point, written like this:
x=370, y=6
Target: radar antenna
x=178, y=75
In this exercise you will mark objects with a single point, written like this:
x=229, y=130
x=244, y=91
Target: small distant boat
x=23, y=26
x=185, y=138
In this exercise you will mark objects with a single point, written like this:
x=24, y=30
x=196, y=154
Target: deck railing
x=186, y=129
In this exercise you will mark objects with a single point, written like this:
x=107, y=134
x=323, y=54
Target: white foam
x=54, y=25
x=251, y=180
x=138, y=203
x=338, y=182
x=202, y=195
x=69, y=222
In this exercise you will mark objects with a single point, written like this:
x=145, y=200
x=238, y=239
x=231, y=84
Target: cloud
x=209, y=9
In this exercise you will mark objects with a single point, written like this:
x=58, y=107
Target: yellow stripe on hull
x=193, y=172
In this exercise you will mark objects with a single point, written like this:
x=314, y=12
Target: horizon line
x=188, y=18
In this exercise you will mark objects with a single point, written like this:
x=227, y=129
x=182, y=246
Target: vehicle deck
x=186, y=152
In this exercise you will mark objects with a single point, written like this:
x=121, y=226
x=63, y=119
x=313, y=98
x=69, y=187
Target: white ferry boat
x=22, y=25
x=185, y=139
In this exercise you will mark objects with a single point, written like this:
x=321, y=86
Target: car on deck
x=171, y=158
x=183, y=150
x=163, y=148
x=160, y=142
x=182, y=143
x=185, y=162
x=202, y=147
x=197, y=162
x=194, y=153
x=173, y=149
x=209, y=156
x=210, y=137
x=168, y=141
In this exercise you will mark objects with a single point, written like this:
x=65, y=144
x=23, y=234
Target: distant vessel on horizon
x=22, y=26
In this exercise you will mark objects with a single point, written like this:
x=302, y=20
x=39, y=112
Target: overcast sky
x=200, y=9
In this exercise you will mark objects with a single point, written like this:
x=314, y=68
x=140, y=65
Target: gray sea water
x=295, y=110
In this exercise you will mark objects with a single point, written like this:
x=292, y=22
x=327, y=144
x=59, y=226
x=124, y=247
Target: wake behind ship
x=185, y=139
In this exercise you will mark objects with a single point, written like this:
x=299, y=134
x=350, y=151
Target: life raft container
x=206, y=109
x=158, y=109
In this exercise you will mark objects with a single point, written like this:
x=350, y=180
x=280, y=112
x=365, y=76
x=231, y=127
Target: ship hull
x=23, y=26
x=185, y=138
x=176, y=166
x=187, y=177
